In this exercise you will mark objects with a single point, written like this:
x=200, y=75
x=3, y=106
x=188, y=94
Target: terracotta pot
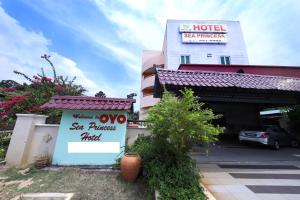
x=130, y=166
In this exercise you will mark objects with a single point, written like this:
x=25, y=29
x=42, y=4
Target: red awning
x=88, y=103
x=227, y=80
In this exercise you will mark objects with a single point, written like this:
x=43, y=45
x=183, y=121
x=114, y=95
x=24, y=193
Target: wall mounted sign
x=203, y=33
x=90, y=137
x=203, y=28
x=203, y=38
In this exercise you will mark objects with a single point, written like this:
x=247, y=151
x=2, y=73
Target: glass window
x=182, y=59
x=185, y=59
x=225, y=60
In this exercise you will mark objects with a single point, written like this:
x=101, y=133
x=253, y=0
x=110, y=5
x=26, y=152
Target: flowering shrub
x=10, y=105
x=7, y=89
x=27, y=98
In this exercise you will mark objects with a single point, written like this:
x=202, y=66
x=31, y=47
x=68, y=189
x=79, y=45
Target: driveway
x=242, y=153
x=233, y=172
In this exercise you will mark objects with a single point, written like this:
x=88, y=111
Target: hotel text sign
x=203, y=38
x=90, y=137
x=203, y=28
x=203, y=33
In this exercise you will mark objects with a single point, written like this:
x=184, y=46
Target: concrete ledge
x=138, y=128
x=156, y=195
x=207, y=192
x=47, y=125
x=32, y=115
x=47, y=196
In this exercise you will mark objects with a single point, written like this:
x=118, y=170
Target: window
x=225, y=60
x=185, y=59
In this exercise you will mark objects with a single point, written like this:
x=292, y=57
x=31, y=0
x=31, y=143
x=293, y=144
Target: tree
x=181, y=122
x=176, y=124
x=28, y=98
x=9, y=84
x=100, y=94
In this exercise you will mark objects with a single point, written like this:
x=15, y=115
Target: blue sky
x=100, y=42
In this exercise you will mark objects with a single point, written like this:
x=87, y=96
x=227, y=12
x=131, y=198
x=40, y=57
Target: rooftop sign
x=203, y=38
x=203, y=33
x=203, y=28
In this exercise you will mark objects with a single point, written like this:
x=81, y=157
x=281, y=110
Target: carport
x=238, y=97
x=234, y=171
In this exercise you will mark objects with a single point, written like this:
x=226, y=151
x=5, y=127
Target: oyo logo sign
x=109, y=118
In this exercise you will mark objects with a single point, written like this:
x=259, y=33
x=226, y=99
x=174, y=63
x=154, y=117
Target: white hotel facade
x=191, y=42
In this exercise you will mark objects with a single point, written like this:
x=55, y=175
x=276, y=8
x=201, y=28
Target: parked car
x=272, y=136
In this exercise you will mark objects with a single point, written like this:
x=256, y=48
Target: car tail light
x=264, y=135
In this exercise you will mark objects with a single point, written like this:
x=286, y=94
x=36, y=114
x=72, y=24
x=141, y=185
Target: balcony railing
x=157, y=60
x=137, y=123
x=148, y=82
x=149, y=101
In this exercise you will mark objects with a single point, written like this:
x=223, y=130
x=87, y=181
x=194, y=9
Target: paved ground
x=242, y=153
x=232, y=172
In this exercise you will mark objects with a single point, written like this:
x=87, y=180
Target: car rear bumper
x=263, y=141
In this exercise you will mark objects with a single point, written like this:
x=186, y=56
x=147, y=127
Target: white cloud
x=70, y=68
x=266, y=43
x=134, y=27
x=137, y=25
x=267, y=35
x=142, y=23
x=90, y=31
x=108, y=46
x=21, y=49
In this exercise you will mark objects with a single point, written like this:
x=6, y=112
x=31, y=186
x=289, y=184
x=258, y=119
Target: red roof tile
x=225, y=79
x=88, y=103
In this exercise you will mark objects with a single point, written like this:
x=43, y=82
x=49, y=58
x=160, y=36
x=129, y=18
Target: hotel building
x=192, y=42
x=210, y=57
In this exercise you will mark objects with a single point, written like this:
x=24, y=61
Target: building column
x=21, y=138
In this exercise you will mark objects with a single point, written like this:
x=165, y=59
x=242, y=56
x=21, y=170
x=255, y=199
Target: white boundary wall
x=32, y=137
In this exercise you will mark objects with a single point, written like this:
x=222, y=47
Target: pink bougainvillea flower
x=36, y=77
x=47, y=79
x=58, y=87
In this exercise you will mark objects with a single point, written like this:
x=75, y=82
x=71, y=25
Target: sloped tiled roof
x=88, y=103
x=227, y=80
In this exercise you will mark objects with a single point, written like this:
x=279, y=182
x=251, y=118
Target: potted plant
x=130, y=166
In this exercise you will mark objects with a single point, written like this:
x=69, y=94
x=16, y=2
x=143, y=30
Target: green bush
x=176, y=125
x=2, y=153
x=173, y=177
x=28, y=97
x=294, y=119
x=182, y=121
x=4, y=142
